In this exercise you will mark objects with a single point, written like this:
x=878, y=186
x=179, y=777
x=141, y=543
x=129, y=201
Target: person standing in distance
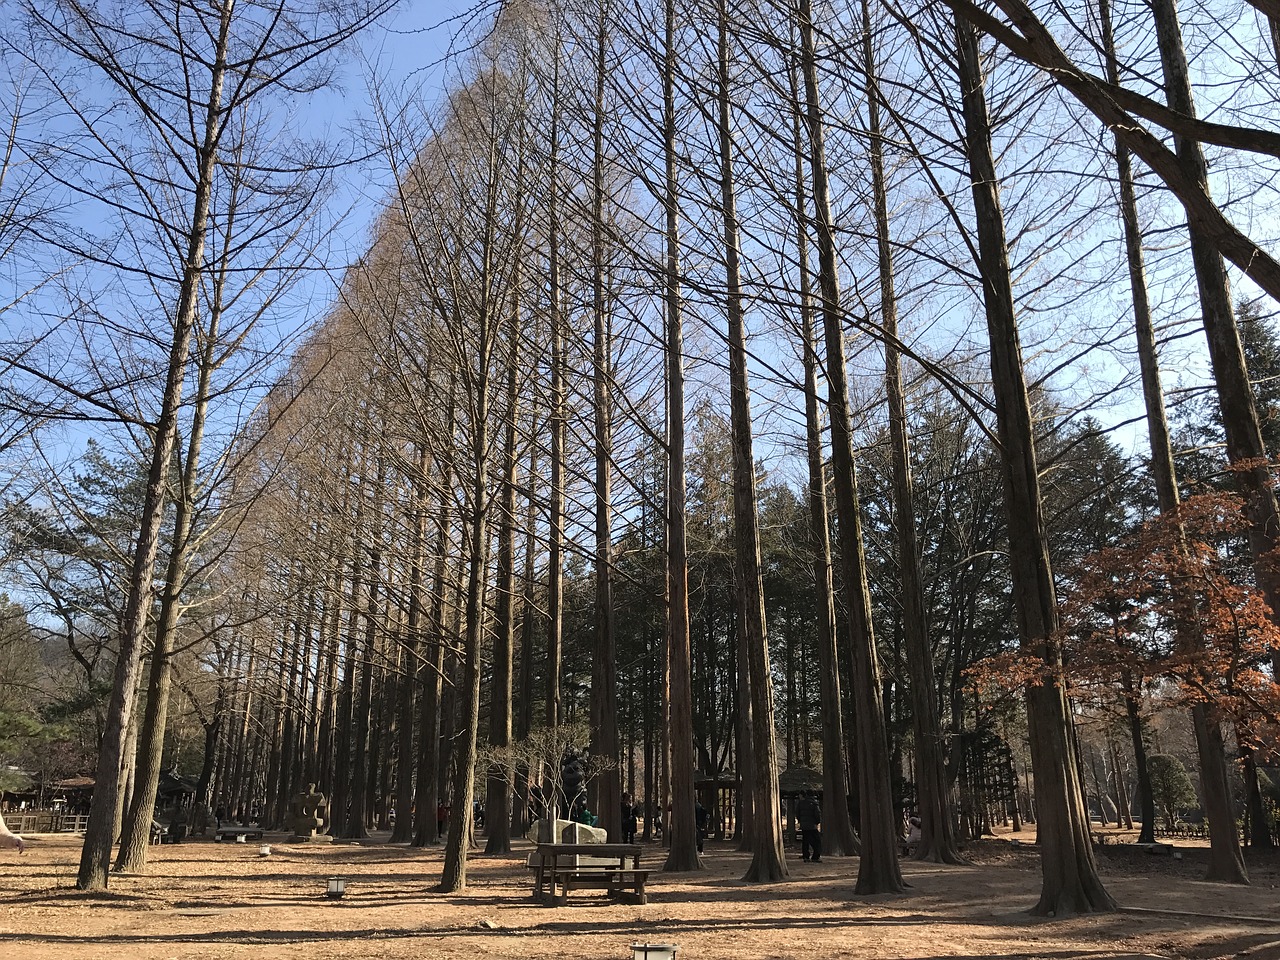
x=629, y=821
x=809, y=814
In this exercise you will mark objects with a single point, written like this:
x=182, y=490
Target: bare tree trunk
x=743, y=731
x=1146, y=797
x=1070, y=877
x=524, y=717
x=683, y=853
x=361, y=727
x=414, y=673
x=497, y=817
x=937, y=836
x=135, y=838
x=1225, y=860
x=427, y=795
x=1123, y=804
x=838, y=837
x=95, y=858
x=555, y=532
x=878, y=870
x=605, y=788
x=454, y=875
x=1245, y=447
x=767, y=863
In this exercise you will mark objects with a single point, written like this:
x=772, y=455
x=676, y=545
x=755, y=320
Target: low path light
x=653, y=951
x=337, y=888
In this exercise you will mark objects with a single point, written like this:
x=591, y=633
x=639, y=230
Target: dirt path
x=206, y=901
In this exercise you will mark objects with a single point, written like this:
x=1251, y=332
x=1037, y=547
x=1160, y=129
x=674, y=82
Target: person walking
x=809, y=814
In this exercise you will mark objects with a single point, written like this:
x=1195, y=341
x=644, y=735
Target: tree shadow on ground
x=578, y=925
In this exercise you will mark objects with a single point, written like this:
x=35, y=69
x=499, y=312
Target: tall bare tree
x=174, y=80
x=878, y=870
x=683, y=852
x=607, y=788
x=767, y=863
x=1225, y=859
x=838, y=837
x=937, y=833
x=1070, y=877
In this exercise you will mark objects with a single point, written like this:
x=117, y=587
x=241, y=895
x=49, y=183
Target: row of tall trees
x=686, y=374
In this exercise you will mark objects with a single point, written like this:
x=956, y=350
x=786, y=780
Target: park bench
x=232, y=832
x=563, y=867
x=617, y=881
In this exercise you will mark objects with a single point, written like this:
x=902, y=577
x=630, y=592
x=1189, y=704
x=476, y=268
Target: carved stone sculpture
x=309, y=811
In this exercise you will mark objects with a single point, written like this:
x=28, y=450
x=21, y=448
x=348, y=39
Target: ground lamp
x=264, y=850
x=653, y=951
x=337, y=888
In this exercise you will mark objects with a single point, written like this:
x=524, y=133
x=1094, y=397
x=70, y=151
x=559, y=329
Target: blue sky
x=411, y=48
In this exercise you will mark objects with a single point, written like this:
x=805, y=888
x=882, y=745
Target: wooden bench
x=562, y=867
x=249, y=833
x=619, y=882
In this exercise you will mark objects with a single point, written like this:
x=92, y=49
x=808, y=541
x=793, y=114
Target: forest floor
x=205, y=901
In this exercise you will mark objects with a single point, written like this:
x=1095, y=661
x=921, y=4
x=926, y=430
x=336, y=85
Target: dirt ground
x=205, y=901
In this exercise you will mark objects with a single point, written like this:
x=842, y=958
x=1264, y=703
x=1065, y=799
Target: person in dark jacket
x=809, y=815
x=629, y=821
x=702, y=822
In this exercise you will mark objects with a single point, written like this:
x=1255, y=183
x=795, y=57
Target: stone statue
x=309, y=812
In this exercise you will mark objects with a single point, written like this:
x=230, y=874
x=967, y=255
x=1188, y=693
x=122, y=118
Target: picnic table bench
x=231, y=831
x=613, y=867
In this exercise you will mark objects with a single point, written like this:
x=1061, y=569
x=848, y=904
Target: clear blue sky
x=410, y=49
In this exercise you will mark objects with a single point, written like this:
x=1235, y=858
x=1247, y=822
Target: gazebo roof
x=799, y=779
x=75, y=783
x=171, y=783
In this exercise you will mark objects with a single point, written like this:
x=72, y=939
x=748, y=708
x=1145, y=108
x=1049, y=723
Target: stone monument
x=309, y=811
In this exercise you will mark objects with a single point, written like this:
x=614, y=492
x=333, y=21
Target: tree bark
x=682, y=855
x=838, y=837
x=529, y=616
x=356, y=826
x=135, y=838
x=605, y=789
x=767, y=863
x=95, y=858
x=937, y=836
x=427, y=794
x=1245, y=447
x=414, y=673
x=555, y=523
x=1070, y=877
x=1225, y=859
x=878, y=870
x=497, y=808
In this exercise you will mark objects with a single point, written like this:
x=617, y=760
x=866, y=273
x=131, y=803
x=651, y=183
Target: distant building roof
x=798, y=779
x=171, y=783
x=75, y=783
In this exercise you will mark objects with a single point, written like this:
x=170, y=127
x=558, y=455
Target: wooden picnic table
x=614, y=867
x=231, y=831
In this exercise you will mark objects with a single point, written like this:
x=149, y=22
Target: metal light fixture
x=337, y=888
x=264, y=850
x=653, y=951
